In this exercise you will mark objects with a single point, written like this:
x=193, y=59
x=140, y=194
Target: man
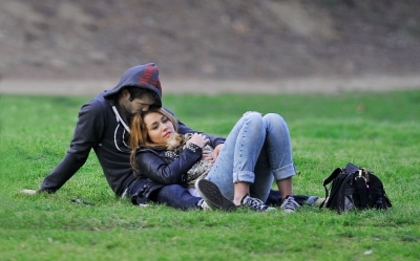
x=103, y=125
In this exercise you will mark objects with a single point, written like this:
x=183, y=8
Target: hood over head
x=143, y=76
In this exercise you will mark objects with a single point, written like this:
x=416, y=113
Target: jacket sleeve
x=88, y=132
x=157, y=169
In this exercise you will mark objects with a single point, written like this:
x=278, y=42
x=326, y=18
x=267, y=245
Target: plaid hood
x=143, y=76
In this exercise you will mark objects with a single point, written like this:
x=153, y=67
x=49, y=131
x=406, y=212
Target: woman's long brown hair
x=139, y=136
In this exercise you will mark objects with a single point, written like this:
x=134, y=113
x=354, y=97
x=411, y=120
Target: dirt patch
x=217, y=43
x=209, y=87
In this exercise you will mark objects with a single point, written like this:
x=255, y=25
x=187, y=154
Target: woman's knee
x=274, y=119
x=253, y=118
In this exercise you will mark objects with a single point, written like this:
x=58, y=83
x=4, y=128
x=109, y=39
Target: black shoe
x=212, y=196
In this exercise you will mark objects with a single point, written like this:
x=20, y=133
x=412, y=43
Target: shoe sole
x=212, y=195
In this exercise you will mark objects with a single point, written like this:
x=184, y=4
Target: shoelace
x=290, y=204
x=254, y=203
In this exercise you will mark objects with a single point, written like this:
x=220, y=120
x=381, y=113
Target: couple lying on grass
x=148, y=155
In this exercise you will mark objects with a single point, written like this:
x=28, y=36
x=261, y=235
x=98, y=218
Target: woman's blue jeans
x=257, y=151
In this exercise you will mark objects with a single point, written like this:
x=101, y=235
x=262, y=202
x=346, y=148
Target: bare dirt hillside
x=255, y=40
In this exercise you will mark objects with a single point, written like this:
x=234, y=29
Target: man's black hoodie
x=102, y=126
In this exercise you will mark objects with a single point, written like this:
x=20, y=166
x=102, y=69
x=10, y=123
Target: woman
x=162, y=180
x=257, y=150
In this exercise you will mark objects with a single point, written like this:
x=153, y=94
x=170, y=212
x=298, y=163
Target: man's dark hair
x=138, y=93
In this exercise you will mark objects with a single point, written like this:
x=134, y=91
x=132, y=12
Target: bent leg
x=275, y=160
x=278, y=146
x=279, y=151
x=237, y=160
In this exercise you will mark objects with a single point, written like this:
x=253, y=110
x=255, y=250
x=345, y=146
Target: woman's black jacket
x=157, y=168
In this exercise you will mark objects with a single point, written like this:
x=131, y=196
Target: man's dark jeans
x=176, y=196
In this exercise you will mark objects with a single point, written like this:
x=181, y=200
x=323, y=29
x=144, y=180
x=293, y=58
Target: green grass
x=380, y=131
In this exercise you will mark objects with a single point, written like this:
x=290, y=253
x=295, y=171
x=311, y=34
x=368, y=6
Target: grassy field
x=380, y=131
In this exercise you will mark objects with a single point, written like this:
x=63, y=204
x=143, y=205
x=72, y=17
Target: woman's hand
x=198, y=139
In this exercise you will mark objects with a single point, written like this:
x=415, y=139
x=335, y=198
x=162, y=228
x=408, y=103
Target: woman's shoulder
x=153, y=155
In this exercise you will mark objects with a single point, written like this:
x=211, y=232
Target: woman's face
x=159, y=128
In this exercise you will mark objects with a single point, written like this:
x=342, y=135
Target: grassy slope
x=376, y=130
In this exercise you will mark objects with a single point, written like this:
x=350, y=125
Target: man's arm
x=184, y=129
x=89, y=130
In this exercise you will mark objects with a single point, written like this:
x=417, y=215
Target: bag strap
x=332, y=176
x=327, y=181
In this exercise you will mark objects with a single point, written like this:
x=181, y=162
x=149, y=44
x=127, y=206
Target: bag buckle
x=363, y=174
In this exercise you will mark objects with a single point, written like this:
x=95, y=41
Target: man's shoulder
x=97, y=104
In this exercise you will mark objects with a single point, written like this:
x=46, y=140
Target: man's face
x=136, y=105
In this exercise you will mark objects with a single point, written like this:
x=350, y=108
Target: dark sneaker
x=255, y=204
x=289, y=205
x=212, y=196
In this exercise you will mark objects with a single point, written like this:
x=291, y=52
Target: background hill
x=217, y=39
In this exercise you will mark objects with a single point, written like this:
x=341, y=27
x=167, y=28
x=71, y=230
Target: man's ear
x=125, y=94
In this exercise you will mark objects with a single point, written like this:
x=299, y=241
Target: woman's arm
x=157, y=169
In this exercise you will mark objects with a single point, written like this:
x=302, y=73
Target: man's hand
x=29, y=191
x=207, y=155
x=216, y=151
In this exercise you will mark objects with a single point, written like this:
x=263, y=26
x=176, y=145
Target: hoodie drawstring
x=119, y=119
